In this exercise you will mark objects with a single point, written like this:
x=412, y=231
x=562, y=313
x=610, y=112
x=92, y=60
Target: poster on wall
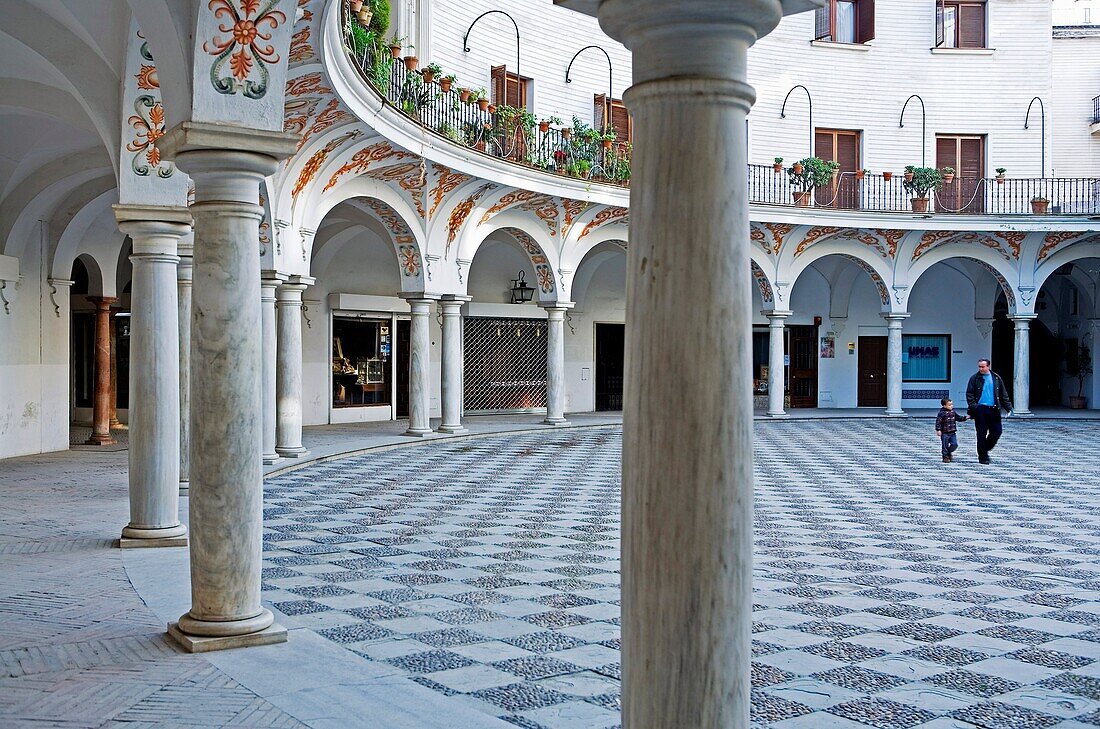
x=828, y=347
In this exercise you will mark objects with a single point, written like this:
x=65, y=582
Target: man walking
x=986, y=396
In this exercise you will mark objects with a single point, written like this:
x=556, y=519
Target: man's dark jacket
x=974, y=392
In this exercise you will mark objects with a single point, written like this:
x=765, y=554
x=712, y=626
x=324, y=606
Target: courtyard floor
x=474, y=583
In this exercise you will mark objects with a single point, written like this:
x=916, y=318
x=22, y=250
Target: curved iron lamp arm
x=466, y=47
x=923, y=126
x=610, y=69
x=1043, y=130
x=783, y=111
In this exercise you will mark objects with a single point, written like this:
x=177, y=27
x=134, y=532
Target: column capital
x=1023, y=320
x=777, y=314
x=460, y=298
x=269, y=277
x=419, y=303
x=154, y=229
x=561, y=306
x=103, y=303
x=895, y=318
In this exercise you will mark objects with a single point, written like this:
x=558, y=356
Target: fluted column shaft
x=555, y=364
x=776, y=366
x=101, y=393
x=451, y=363
x=1021, y=365
x=270, y=355
x=893, y=362
x=183, y=282
x=227, y=165
x=154, y=452
x=288, y=374
x=420, y=397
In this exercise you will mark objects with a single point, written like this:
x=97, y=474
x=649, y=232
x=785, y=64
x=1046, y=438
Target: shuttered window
x=845, y=21
x=966, y=155
x=613, y=113
x=840, y=146
x=960, y=24
x=508, y=88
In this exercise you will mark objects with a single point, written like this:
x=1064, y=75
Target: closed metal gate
x=505, y=364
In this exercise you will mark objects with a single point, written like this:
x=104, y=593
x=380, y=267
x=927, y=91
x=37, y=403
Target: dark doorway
x=1046, y=361
x=872, y=373
x=402, y=352
x=802, y=373
x=610, y=344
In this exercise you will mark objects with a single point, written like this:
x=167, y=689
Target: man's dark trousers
x=987, y=421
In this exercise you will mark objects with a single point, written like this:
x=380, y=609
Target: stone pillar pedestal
x=555, y=362
x=1021, y=366
x=893, y=363
x=183, y=284
x=451, y=365
x=101, y=396
x=420, y=396
x=776, y=366
x=154, y=422
x=227, y=165
x=288, y=374
x=268, y=283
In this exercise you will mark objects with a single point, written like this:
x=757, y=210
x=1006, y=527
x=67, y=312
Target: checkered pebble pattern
x=891, y=590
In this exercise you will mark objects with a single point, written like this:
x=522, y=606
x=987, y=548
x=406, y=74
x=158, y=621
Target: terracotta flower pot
x=778, y=166
x=411, y=62
x=607, y=143
x=445, y=84
x=797, y=167
x=464, y=95
x=492, y=109
x=395, y=50
x=949, y=178
x=483, y=104
x=429, y=76
x=356, y=5
x=544, y=127
x=365, y=17
x=566, y=132
x=860, y=175
x=920, y=204
x=887, y=176
x=1077, y=403
x=1000, y=180
x=908, y=176
x=1039, y=207
x=802, y=198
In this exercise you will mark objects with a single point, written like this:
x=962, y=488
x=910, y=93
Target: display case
x=361, y=361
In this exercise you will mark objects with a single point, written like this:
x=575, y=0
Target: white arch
x=94, y=201
x=1006, y=274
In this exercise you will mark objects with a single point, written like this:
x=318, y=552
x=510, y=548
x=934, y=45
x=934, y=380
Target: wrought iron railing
x=1096, y=110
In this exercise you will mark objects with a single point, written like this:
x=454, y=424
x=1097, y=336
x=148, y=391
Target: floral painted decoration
x=148, y=124
x=246, y=48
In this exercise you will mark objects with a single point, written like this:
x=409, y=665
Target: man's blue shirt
x=987, y=391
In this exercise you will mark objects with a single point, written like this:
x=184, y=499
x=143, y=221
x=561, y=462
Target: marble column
x=154, y=402
x=227, y=165
x=268, y=283
x=420, y=396
x=183, y=285
x=101, y=393
x=776, y=366
x=1021, y=365
x=687, y=512
x=555, y=362
x=288, y=372
x=451, y=365
x=893, y=362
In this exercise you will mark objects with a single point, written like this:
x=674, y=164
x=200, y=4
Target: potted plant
x=887, y=176
x=492, y=108
x=395, y=46
x=411, y=62
x=464, y=95
x=1001, y=175
x=808, y=173
x=584, y=168
x=919, y=181
x=560, y=159
x=1080, y=370
x=565, y=132
x=860, y=174
x=948, y=175
x=544, y=126
x=446, y=83
x=608, y=138
x=483, y=99
x=430, y=72
x=777, y=165
x=1039, y=205
x=365, y=15
x=356, y=6
x=360, y=39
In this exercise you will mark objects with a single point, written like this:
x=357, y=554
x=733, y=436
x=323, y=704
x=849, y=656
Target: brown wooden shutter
x=823, y=28
x=970, y=158
x=499, y=76
x=847, y=152
x=865, y=20
x=947, y=153
x=823, y=145
x=621, y=122
x=599, y=110
x=971, y=22
x=939, y=23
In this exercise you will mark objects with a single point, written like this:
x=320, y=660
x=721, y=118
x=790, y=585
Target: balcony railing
x=1096, y=110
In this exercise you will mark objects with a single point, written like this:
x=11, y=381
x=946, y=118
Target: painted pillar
x=288, y=373
x=776, y=363
x=555, y=363
x=687, y=512
x=227, y=165
x=154, y=403
x=420, y=396
x=101, y=394
x=183, y=283
x=451, y=365
x=893, y=362
x=269, y=349
x=1021, y=365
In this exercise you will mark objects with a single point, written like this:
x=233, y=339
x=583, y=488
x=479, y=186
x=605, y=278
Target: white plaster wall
x=602, y=302
x=1074, y=152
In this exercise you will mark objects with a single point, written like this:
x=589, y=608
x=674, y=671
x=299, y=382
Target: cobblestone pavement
x=891, y=590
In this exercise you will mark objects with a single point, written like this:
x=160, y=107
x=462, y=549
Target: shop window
x=361, y=361
x=960, y=24
x=845, y=21
x=926, y=358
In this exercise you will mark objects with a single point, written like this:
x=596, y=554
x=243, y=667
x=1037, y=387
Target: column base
x=419, y=432
x=779, y=415
x=555, y=421
x=271, y=458
x=228, y=634
x=101, y=440
x=134, y=538
x=452, y=430
x=896, y=414
x=1024, y=414
x=292, y=452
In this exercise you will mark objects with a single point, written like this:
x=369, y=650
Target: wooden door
x=872, y=372
x=610, y=342
x=842, y=147
x=402, y=355
x=965, y=155
x=802, y=373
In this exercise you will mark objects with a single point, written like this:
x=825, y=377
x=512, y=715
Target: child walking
x=946, y=428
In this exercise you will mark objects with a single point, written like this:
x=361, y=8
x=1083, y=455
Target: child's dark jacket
x=946, y=419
